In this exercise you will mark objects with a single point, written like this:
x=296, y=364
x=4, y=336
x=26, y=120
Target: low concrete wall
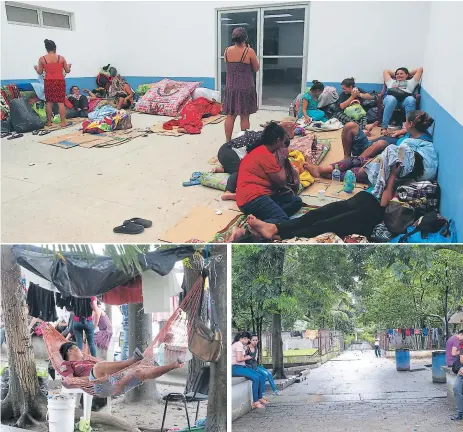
x=451, y=378
x=241, y=397
x=413, y=354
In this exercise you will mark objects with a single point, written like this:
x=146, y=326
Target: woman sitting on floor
x=231, y=153
x=253, y=363
x=349, y=94
x=239, y=369
x=262, y=182
x=309, y=104
x=357, y=215
x=80, y=102
x=122, y=93
x=354, y=141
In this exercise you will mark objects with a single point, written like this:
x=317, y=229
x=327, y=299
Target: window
x=24, y=14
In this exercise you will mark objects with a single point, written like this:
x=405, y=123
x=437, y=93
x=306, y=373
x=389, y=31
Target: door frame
x=260, y=9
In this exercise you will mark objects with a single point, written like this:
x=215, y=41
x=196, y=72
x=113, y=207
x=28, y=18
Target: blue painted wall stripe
x=448, y=140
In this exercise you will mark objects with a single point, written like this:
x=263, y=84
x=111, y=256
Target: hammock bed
x=179, y=325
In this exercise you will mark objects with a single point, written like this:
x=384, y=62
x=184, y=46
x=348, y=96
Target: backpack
x=456, y=366
x=355, y=112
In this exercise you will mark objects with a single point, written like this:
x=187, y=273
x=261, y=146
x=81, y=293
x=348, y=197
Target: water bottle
x=336, y=174
x=349, y=182
x=291, y=110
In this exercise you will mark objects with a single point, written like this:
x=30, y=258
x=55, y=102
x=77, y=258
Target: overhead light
x=236, y=24
x=289, y=22
x=278, y=16
x=226, y=19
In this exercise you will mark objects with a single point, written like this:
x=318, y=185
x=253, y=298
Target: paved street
x=357, y=392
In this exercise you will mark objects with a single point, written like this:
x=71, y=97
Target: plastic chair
x=198, y=394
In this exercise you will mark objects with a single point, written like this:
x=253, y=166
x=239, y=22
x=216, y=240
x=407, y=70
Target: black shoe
x=457, y=418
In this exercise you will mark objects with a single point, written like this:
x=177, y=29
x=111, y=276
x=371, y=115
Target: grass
x=295, y=353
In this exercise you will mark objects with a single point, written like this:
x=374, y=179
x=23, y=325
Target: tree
x=217, y=405
x=24, y=400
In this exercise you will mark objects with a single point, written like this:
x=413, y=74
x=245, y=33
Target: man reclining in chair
x=75, y=365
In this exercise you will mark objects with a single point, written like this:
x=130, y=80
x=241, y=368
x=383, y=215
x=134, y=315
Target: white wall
x=443, y=60
x=23, y=45
x=346, y=39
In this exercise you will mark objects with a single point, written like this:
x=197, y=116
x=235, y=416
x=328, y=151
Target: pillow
x=214, y=180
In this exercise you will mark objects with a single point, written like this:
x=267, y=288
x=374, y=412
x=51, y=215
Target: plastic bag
x=39, y=108
x=23, y=117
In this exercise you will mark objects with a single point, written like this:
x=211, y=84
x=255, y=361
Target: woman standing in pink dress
x=240, y=96
x=105, y=333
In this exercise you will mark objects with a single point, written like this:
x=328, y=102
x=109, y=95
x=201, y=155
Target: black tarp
x=79, y=276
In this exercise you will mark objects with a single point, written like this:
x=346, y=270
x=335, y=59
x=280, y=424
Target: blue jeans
x=78, y=329
x=258, y=380
x=390, y=104
x=267, y=376
x=273, y=209
x=458, y=393
x=125, y=344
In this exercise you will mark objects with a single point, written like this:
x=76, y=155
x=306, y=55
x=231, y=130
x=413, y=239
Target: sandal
x=129, y=228
x=36, y=132
x=15, y=135
x=66, y=125
x=192, y=182
x=139, y=221
x=5, y=134
x=43, y=132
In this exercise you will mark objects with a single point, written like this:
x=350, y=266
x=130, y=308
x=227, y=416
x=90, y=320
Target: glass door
x=283, y=52
x=227, y=22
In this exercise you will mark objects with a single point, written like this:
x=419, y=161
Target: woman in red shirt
x=261, y=187
x=54, y=83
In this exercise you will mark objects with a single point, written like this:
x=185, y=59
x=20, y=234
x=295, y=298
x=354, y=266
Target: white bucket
x=61, y=410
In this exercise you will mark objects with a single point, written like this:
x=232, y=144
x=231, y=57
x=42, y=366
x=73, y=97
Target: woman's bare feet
x=314, y=170
x=48, y=124
x=266, y=230
x=258, y=405
x=229, y=196
x=236, y=234
x=217, y=170
x=369, y=128
x=264, y=401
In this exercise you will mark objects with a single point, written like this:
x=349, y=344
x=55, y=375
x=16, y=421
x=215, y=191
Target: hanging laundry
x=192, y=114
x=390, y=332
x=417, y=331
x=81, y=307
x=425, y=331
x=123, y=294
x=41, y=303
x=399, y=330
x=157, y=291
x=30, y=277
x=412, y=331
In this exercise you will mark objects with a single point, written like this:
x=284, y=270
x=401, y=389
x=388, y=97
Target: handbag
x=206, y=343
x=398, y=93
x=456, y=366
x=398, y=217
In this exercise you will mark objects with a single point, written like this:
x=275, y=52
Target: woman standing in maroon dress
x=240, y=97
x=54, y=83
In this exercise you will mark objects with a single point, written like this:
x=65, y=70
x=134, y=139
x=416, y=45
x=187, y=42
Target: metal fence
x=433, y=340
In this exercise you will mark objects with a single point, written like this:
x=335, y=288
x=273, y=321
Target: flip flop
x=191, y=183
x=129, y=228
x=139, y=221
x=36, y=132
x=15, y=135
x=66, y=125
x=43, y=132
x=5, y=134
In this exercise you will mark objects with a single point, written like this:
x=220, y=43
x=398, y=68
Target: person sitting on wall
x=75, y=365
x=399, y=90
x=253, y=363
x=309, y=104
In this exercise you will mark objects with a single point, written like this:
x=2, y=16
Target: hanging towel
x=157, y=291
x=123, y=294
x=41, y=303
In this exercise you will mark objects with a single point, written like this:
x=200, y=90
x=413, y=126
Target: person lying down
x=74, y=365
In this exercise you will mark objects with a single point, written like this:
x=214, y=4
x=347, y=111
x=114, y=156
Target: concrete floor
x=357, y=392
x=80, y=195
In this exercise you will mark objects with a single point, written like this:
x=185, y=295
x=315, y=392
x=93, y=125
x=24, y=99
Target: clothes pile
x=107, y=122
x=192, y=114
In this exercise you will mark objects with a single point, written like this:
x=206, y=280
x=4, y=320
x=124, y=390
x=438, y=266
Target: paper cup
x=321, y=194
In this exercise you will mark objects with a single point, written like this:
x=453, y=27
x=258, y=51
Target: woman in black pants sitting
x=357, y=215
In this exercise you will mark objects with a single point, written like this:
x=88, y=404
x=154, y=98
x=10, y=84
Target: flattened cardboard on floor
x=201, y=223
